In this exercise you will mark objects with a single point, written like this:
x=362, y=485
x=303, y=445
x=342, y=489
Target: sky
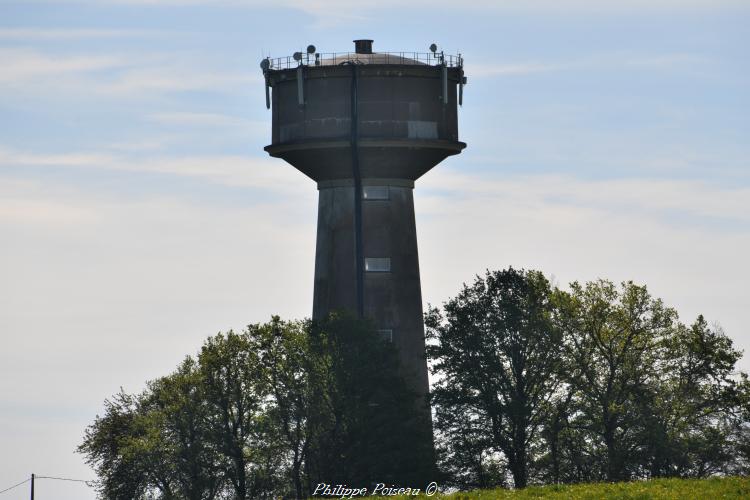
x=139, y=213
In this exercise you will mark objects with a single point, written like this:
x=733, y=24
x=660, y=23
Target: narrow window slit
x=375, y=193
x=378, y=264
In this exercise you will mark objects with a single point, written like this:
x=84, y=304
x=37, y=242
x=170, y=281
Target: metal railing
x=342, y=58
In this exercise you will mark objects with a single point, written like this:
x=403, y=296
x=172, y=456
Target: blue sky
x=139, y=214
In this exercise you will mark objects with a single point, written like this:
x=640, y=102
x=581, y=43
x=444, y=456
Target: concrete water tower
x=365, y=126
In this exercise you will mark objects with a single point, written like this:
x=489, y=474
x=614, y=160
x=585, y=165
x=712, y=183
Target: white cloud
x=34, y=211
x=122, y=289
x=28, y=70
x=115, y=292
x=525, y=5
x=513, y=69
x=204, y=120
x=578, y=229
x=23, y=65
x=173, y=77
x=28, y=34
x=652, y=197
x=334, y=6
x=252, y=172
x=199, y=119
x=329, y=13
x=11, y=157
x=614, y=61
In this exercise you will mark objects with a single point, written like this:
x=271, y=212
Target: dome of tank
x=371, y=58
x=363, y=54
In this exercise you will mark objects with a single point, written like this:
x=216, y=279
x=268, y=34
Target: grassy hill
x=677, y=489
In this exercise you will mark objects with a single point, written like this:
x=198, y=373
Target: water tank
x=365, y=126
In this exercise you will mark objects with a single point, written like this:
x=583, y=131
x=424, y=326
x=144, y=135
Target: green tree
x=614, y=341
x=236, y=393
x=155, y=445
x=174, y=410
x=124, y=472
x=284, y=354
x=266, y=413
x=365, y=425
x=495, y=355
x=697, y=404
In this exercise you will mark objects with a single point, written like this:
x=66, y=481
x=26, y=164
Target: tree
x=283, y=351
x=155, y=444
x=124, y=474
x=174, y=410
x=265, y=413
x=698, y=404
x=614, y=340
x=237, y=394
x=365, y=425
x=495, y=356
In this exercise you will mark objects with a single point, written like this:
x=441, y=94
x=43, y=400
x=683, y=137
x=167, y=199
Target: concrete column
x=393, y=299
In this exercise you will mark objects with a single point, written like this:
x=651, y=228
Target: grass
x=661, y=489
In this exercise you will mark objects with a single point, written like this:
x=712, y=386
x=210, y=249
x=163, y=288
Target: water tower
x=364, y=126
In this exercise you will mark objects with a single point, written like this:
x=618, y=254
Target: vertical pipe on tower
x=359, y=254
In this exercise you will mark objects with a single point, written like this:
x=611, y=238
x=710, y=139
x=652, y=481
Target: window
x=386, y=334
x=375, y=192
x=378, y=264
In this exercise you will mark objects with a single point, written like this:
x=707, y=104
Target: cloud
x=237, y=171
x=102, y=291
x=206, y=120
x=174, y=77
x=28, y=70
x=41, y=211
x=194, y=253
x=23, y=65
x=687, y=240
x=658, y=199
x=554, y=5
x=329, y=13
x=616, y=61
x=27, y=34
x=513, y=69
x=199, y=119
x=333, y=6
x=683, y=201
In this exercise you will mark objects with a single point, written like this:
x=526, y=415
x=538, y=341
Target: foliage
x=613, y=343
x=600, y=382
x=367, y=426
x=265, y=413
x=532, y=385
x=496, y=352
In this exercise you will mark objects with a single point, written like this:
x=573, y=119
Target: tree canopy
x=531, y=384
x=268, y=412
x=535, y=384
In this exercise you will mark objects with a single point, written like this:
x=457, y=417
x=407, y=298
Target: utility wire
x=87, y=483
x=15, y=485
x=90, y=484
x=65, y=479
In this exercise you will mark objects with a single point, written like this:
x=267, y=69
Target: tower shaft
x=392, y=292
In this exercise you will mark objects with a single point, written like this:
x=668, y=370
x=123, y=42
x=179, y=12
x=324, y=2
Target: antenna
x=433, y=48
x=311, y=49
x=297, y=56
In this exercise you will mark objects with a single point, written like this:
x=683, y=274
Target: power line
x=87, y=483
x=66, y=479
x=15, y=485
